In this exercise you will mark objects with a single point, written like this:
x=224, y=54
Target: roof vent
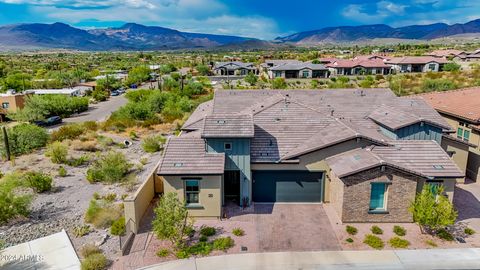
x=179, y=164
x=357, y=157
x=270, y=142
x=221, y=121
x=331, y=112
x=277, y=119
x=438, y=167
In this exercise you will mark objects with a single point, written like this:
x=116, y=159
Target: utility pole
x=5, y=142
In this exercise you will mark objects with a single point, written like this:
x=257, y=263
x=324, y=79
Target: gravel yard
x=64, y=206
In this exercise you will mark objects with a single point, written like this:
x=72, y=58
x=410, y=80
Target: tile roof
x=424, y=158
x=299, y=66
x=195, y=120
x=187, y=156
x=289, y=123
x=463, y=103
x=445, y=53
x=233, y=65
x=395, y=119
x=228, y=126
x=361, y=62
x=416, y=60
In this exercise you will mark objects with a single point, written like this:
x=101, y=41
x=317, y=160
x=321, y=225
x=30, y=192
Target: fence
x=126, y=239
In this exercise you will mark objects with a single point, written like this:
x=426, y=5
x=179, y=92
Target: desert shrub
x=97, y=196
x=38, y=181
x=451, y=66
x=351, y=230
x=88, y=146
x=77, y=162
x=70, y=131
x=39, y=107
x=238, y=232
x=143, y=161
x=349, y=240
x=118, y=227
x=162, y=253
x=62, y=172
x=207, y=231
x=203, y=238
x=279, y=83
x=24, y=138
x=430, y=85
x=80, y=231
x=102, y=214
x=96, y=261
x=153, y=144
x=110, y=197
x=399, y=230
x=444, y=234
x=57, y=152
x=182, y=254
x=431, y=243
x=89, y=249
x=100, y=95
x=397, y=242
x=223, y=243
x=11, y=204
x=90, y=125
x=110, y=168
x=469, y=231
x=373, y=241
x=376, y=230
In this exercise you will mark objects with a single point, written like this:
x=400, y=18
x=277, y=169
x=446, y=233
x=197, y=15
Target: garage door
x=287, y=186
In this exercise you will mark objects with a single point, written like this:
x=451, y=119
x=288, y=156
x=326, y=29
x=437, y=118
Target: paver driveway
x=293, y=227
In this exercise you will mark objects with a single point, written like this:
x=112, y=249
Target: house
x=448, y=53
x=461, y=109
x=11, y=102
x=367, y=152
x=235, y=68
x=416, y=64
x=74, y=91
x=293, y=69
x=359, y=66
x=468, y=57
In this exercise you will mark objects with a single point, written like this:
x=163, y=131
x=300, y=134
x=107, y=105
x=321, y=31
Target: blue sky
x=254, y=18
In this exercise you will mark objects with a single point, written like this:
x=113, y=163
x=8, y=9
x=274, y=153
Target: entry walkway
x=387, y=259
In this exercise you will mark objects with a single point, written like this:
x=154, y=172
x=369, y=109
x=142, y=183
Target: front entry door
x=232, y=186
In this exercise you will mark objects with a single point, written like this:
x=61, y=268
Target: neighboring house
x=10, y=103
x=416, y=64
x=461, y=109
x=468, y=57
x=448, y=53
x=74, y=91
x=234, y=68
x=359, y=66
x=293, y=69
x=367, y=152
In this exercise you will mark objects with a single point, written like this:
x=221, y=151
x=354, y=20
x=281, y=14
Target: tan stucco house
x=365, y=151
x=10, y=102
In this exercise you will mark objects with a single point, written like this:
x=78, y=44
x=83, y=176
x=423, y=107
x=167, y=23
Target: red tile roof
x=417, y=60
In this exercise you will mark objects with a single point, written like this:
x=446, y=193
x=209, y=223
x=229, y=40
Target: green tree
x=171, y=219
x=451, y=66
x=431, y=209
x=279, y=83
x=138, y=75
x=251, y=78
x=203, y=70
x=25, y=138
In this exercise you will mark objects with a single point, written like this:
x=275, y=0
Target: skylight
x=178, y=164
x=438, y=167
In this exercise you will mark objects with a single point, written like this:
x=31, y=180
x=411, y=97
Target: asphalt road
x=98, y=112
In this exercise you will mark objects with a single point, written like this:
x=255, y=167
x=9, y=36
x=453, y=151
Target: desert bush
x=87, y=146
x=38, y=181
x=203, y=238
x=11, y=204
x=397, y=242
x=57, y=152
x=70, y=131
x=80, y=231
x=110, y=197
x=351, y=230
x=110, y=168
x=238, y=232
x=469, y=231
x=118, y=227
x=373, y=241
x=431, y=243
x=96, y=261
x=102, y=214
x=62, y=172
x=451, y=66
x=90, y=125
x=39, y=107
x=399, y=230
x=89, y=249
x=162, y=253
x=223, y=243
x=153, y=144
x=376, y=230
x=279, y=83
x=77, y=162
x=444, y=234
x=24, y=138
x=430, y=85
x=207, y=231
x=349, y=240
x=100, y=95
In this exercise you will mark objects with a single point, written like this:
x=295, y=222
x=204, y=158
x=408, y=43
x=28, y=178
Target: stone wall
x=356, y=196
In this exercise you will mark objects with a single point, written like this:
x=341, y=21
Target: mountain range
x=132, y=36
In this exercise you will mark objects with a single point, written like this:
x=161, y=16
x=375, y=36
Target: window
x=305, y=74
x=5, y=105
x=431, y=66
x=277, y=74
x=460, y=133
x=466, y=135
x=227, y=146
x=434, y=185
x=463, y=134
x=192, y=190
x=378, y=197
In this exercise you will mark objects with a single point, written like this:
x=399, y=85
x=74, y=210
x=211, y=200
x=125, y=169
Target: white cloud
x=202, y=16
x=390, y=8
x=373, y=13
x=86, y=3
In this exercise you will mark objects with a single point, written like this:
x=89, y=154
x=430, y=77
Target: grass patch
x=62, y=172
x=57, y=152
x=80, y=231
x=444, y=235
x=349, y=240
x=399, y=230
x=376, y=230
x=207, y=231
x=223, y=243
x=118, y=227
x=38, y=181
x=102, y=214
x=162, y=253
x=153, y=144
x=238, y=232
x=351, y=230
x=96, y=261
x=397, y=242
x=110, y=168
x=469, y=231
x=431, y=243
x=373, y=241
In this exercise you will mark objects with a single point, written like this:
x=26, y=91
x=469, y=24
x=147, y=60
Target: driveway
x=98, y=112
x=467, y=202
x=293, y=227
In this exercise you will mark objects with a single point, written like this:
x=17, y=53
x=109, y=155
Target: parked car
x=121, y=90
x=54, y=120
x=114, y=93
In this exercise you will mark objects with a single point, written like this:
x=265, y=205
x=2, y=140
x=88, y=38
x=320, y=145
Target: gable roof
x=187, y=156
x=416, y=60
x=395, y=119
x=233, y=65
x=228, y=126
x=298, y=66
x=423, y=158
x=359, y=62
x=445, y=53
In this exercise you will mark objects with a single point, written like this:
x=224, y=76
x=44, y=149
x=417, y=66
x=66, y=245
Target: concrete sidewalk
x=386, y=259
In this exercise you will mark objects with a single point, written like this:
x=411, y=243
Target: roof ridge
x=164, y=153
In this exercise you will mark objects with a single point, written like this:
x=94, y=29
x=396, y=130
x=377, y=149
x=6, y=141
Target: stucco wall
x=356, y=199
x=460, y=154
x=448, y=185
x=336, y=192
x=210, y=194
x=137, y=204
